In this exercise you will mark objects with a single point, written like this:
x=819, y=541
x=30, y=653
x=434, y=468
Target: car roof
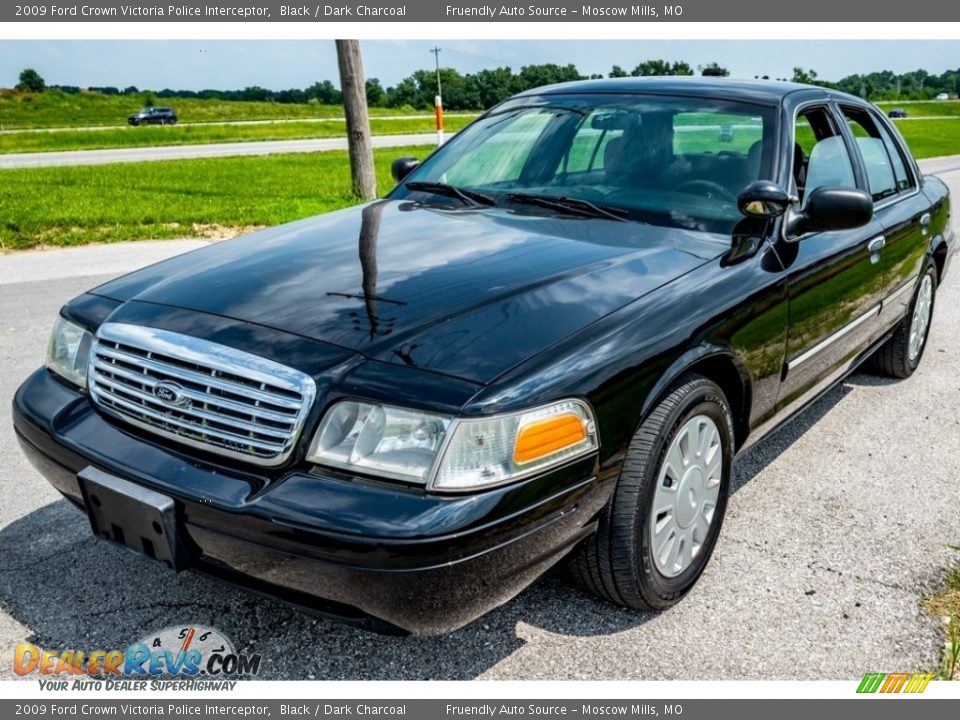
x=763, y=91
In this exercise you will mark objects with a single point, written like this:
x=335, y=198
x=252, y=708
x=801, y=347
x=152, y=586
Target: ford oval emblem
x=170, y=393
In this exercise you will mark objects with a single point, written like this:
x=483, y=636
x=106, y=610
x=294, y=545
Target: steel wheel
x=685, y=496
x=661, y=524
x=921, y=317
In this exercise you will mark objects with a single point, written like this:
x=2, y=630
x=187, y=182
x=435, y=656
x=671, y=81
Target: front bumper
x=378, y=554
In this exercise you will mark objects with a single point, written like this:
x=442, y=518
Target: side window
x=881, y=170
x=820, y=157
x=903, y=176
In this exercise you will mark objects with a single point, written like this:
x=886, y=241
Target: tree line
x=485, y=88
x=888, y=85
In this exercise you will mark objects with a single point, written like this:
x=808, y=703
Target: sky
x=280, y=64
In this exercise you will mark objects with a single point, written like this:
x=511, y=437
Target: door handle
x=877, y=244
x=925, y=223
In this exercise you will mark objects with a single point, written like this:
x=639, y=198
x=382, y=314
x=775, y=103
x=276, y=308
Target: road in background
x=275, y=121
x=187, y=152
x=838, y=526
x=238, y=148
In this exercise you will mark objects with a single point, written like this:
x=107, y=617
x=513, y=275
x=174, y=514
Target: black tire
x=893, y=357
x=617, y=562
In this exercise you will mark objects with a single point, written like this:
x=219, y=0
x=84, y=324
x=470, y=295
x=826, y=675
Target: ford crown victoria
x=549, y=342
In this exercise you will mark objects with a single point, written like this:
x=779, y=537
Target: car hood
x=468, y=293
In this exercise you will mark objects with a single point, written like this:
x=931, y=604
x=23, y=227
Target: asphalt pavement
x=838, y=526
x=212, y=150
x=271, y=121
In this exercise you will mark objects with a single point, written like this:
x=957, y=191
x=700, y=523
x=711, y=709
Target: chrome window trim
x=833, y=106
x=906, y=157
x=895, y=199
x=218, y=358
x=801, y=107
x=791, y=184
x=909, y=160
x=909, y=285
x=830, y=340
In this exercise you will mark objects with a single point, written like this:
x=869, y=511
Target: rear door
x=835, y=279
x=899, y=207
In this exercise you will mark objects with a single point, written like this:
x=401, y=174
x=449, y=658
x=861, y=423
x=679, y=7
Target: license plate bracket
x=133, y=516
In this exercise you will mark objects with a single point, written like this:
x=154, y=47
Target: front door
x=835, y=279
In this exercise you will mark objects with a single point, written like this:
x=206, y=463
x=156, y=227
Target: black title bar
x=392, y=11
x=212, y=707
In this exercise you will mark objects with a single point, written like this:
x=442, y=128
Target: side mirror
x=832, y=208
x=763, y=199
x=402, y=167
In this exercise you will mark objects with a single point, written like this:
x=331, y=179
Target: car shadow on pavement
x=752, y=462
x=71, y=590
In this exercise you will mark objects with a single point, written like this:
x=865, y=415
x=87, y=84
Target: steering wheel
x=707, y=188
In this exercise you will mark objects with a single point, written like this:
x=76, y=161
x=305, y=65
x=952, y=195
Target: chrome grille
x=199, y=393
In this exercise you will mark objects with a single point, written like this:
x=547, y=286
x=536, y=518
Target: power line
x=482, y=57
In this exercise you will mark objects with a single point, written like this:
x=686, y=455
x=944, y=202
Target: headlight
x=68, y=351
x=379, y=440
x=448, y=453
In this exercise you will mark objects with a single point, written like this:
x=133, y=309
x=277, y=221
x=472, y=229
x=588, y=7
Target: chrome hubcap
x=685, y=497
x=921, y=317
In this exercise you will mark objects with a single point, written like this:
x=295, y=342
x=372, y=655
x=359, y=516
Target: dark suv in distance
x=153, y=116
x=550, y=341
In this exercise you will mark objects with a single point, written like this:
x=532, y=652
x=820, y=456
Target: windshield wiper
x=571, y=205
x=467, y=197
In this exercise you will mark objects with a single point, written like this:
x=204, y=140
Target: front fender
x=721, y=364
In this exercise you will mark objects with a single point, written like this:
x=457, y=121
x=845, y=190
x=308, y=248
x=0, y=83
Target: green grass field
x=925, y=109
x=154, y=135
x=931, y=138
x=55, y=109
x=184, y=198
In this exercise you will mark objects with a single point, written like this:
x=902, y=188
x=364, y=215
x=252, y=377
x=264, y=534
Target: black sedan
x=153, y=116
x=550, y=341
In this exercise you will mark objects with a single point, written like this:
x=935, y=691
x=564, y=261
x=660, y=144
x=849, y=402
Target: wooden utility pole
x=359, y=143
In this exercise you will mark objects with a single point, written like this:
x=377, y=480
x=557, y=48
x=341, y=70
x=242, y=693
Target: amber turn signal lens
x=545, y=437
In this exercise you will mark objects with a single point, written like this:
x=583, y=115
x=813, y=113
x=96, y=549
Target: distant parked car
x=897, y=113
x=943, y=96
x=154, y=116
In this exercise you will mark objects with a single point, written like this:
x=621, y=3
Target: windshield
x=663, y=160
